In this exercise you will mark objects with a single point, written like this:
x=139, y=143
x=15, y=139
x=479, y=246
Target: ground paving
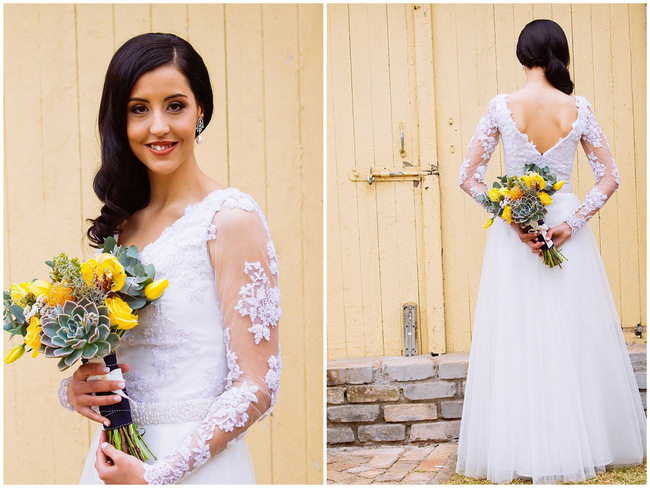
x=404, y=465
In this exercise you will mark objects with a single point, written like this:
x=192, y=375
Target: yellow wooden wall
x=265, y=138
x=434, y=68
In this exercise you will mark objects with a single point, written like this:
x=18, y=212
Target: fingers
x=124, y=367
x=92, y=415
x=102, y=462
x=89, y=369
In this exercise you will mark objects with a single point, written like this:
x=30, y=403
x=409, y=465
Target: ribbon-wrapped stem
x=123, y=434
x=551, y=254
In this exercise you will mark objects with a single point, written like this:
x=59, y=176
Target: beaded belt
x=171, y=412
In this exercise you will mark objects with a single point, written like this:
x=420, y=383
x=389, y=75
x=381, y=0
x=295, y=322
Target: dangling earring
x=199, y=128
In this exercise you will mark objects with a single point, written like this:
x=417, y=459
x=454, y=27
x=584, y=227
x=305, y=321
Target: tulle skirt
x=233, y=466
x=550, y=392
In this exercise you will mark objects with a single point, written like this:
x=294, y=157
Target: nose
x=159, y=125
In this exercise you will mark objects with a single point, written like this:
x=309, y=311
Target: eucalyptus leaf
x=132, y=252
x=135, y=303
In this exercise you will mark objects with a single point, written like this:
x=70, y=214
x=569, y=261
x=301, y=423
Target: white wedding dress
x=550, y=392
x=204, y=358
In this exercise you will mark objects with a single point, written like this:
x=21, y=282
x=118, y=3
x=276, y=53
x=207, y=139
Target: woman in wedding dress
x=550, y=392
x=204, y=361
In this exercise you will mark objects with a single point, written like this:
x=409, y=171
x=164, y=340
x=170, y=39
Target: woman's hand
x=80, y=391
x=116, y=467
x=529, y=239
x=559, y=234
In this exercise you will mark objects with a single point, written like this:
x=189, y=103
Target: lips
x=162, y=147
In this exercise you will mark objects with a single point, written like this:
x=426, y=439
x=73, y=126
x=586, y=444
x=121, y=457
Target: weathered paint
x=265, y=138
x=438, y=65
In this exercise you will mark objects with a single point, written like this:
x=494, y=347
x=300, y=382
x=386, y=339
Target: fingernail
x=107, y=370
x=121, y=384
x=104, y=444
x=117, y=398
x=107, y=423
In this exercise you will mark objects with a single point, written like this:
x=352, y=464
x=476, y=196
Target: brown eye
x=176, y=106
x=138, y=109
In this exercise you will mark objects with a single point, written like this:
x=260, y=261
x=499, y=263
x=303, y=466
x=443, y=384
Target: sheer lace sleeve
x=604, y=167
x=246, y=275
x=479, y=152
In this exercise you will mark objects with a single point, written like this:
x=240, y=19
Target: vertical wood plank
x=310, y=43
x=625, y=242
x=366, y=194
x=639, y=99
x=169, y=18
x=206, y=33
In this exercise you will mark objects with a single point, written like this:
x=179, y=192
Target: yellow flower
x=545, y=198
x=39, y=287
x=155, y=289
x=558, y=185
x=33, y=337
x=493, y=194
x=19, y=293
x=515, y=193
x=503, y=191
x=120, y=313
x=104, y=271
x=59, y=293
x=488, y=223
x=15, y=353
x=507, y=213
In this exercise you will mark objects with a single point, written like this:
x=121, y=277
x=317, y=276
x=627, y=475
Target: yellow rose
x=503, y=191
x=493, y=194
x=39, y=287
x=15, y=353
x=33, y=337
x=507, y=213
x=155, y=289
x=545, y=198
x=19, y=293
x=528, y=180
x=488, y=223
x=120, y=313
x=106, y=270
x=558, y=185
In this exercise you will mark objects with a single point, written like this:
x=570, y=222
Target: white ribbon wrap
x=115, y=375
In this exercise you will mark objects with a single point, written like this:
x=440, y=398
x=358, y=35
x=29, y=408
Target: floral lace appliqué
x=227, y=413
x=260, y=301
x=234, y=371
x=272, y=380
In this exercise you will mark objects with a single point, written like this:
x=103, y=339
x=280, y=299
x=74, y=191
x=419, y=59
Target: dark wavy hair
x=543, y=43
x=122, y=182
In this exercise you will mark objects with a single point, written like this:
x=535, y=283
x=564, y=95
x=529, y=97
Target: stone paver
x=408, y=465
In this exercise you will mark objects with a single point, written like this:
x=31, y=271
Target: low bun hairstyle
x=122, y=182
x=543, y=43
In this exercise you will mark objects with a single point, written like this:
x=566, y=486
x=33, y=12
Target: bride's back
x=545, y=116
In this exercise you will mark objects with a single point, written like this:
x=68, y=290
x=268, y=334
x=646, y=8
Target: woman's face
x=161, y=119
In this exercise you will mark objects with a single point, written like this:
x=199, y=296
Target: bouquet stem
x=123, y=434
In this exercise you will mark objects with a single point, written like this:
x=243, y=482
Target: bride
x=550, y=392
x=204, y=362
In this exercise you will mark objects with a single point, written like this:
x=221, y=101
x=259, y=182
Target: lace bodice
x=497, y=121
x=208, y=349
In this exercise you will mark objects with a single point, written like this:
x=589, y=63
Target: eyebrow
x=175, y=95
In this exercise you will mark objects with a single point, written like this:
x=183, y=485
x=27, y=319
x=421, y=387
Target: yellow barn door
x=384, y=242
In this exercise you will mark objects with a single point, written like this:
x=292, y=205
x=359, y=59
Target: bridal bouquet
x=523, y=200
x=82, y=313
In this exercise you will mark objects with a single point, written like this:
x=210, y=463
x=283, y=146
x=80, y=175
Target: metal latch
x=408, y=173
x=410, y=326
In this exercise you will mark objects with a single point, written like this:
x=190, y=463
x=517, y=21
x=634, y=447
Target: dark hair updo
x=543, y=43
x=122, y=182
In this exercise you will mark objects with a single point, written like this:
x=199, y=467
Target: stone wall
x=408, y=400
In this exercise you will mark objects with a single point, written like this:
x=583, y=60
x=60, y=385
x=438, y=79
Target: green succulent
x=77, y=330
x=527, y=209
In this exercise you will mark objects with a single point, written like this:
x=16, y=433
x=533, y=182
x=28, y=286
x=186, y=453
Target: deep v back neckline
x=531, y=143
